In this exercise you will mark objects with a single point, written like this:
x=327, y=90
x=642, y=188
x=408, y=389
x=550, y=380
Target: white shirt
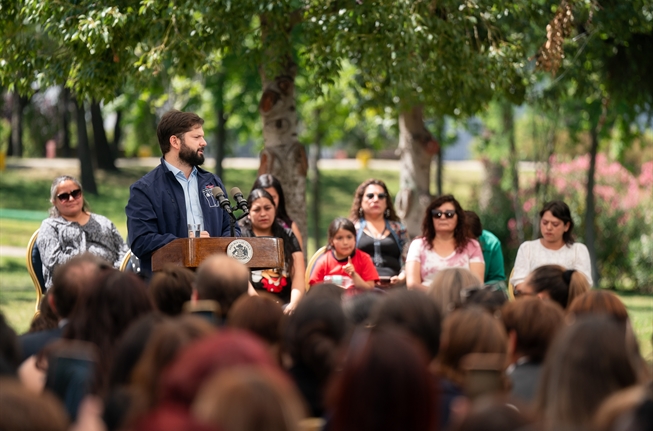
x=191, y=194
x=532, y=254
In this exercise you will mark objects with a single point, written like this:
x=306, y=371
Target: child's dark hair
x=337, y=224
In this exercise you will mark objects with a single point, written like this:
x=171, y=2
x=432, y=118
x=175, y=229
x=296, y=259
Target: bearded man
x=176, y=193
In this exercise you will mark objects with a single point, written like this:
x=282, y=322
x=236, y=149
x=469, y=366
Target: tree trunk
x=590, y=209
x=84, y=151
x=416, y=148
x=106, y=160
x=221, y=131
x=283, y=156
x=117, y=134
x=314, y=175
x=16, y=139
x=509, y=132
x=440, y=125
x=65, y=123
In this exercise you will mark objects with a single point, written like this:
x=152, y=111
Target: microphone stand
x=233, y=219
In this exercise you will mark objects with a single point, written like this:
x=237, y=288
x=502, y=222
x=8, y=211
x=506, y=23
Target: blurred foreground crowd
x=194, y=351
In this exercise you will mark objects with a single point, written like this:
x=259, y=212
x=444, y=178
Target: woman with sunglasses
x=72, y=229
x=445, y=243
x=379, y=232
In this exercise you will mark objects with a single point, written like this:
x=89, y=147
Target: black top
x=269, y=280
x=386, y=257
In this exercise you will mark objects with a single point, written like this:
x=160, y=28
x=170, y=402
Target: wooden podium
x=263, y=253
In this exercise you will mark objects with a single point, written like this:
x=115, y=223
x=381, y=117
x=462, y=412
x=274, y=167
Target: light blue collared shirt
x=191, y=194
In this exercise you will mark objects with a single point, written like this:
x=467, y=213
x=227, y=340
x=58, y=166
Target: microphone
x=240, y=200
x=222, y=199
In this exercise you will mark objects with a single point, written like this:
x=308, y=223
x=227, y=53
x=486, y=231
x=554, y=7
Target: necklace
x=374, y=233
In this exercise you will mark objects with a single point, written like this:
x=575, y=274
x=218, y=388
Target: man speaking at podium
x=175, y=193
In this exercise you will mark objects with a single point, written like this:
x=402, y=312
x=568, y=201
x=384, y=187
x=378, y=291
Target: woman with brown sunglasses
x=72, y=229
x=445, y=243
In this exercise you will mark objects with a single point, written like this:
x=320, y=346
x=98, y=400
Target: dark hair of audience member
x=492, y=298
x=535, y=324
x=380, y=363
x=629, y=409
x=465, y=331
x=562, y=285
x=494, y=414
x=104, y=312
x=223, y=279
x=598, y=301
x=586, y=363
x=474, y=224
x=312, y=337
x=448, y=286
x=414, y=312
x=209, y=355
x=168, y=338
x=10, y=354
x=330, y=290
x=358, y=308
x=23, y=410
x=46, y=318
x=261, y=315
x=272, y=400
x=171, y=288
x=71, y=279
x=129, y=350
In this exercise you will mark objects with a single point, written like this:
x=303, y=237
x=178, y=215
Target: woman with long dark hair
x=445, y=243
x=272, y=185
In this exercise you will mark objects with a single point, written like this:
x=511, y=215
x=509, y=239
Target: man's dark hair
x=222, y=279
x=71, y=278
x=474, y=224
x=175, y=123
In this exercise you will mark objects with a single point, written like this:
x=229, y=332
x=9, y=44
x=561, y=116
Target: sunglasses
x=380, y=195
x=65, y=197
x=439, y=214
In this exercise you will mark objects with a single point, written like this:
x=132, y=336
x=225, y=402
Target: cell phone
x=71, y=372
x=484, y=374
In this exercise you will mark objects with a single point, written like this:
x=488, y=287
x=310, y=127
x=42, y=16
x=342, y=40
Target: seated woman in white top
x=556, y=247
x=445, y=243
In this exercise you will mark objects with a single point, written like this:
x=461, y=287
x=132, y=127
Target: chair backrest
x=130, y=263
x=311, y=264
x=35, y=268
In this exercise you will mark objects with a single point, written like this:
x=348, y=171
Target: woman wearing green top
x=491, y=247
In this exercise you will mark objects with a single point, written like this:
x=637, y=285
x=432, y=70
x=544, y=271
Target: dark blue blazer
x=156, y=212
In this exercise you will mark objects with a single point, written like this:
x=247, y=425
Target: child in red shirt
x=343, y=264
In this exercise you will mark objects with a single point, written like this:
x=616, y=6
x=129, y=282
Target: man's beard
x=186, y=155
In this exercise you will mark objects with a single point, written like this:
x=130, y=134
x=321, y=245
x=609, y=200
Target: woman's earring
x=386, y=213
x=360, y=212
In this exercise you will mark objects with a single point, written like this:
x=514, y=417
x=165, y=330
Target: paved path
x=9, y=251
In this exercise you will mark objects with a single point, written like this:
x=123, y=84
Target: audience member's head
x=474, y=224
x=330, y=290
x=71, y=279
x=23, y=410
x=168, y=338
x=379, y=363
x=260, y=315
x=414, y=312
x=467, y=331
x=271, y=399
x=46, y=317
x=531, y=325
x=448, y=287
x=629, y=409
x=223, y=279
x=105, y=311
x=586, y=363
x=171, y=288
x=10, y=354
x=491, y=297
x=598, y=301
x=358, y=308
x=558, y=284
